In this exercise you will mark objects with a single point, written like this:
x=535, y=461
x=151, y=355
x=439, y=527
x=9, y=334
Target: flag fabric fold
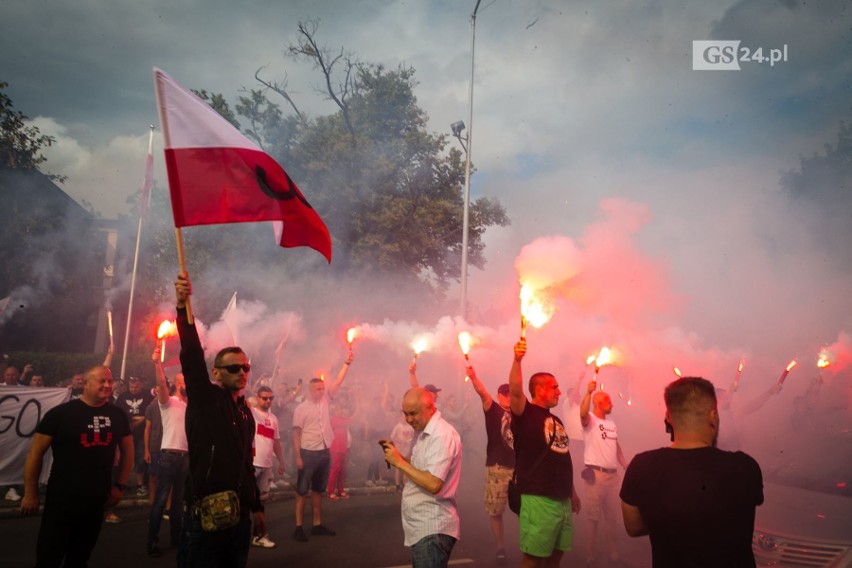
x=217, y=175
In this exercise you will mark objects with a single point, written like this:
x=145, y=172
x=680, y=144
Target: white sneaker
x=262, y=541
x=12, y=495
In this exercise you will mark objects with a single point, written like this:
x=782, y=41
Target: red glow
x=740, y=367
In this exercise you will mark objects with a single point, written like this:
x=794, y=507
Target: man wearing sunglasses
x=219, y=430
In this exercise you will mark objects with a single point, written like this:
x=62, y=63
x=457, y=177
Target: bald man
x=430, y=518
x=602, y=454
x=83, y=434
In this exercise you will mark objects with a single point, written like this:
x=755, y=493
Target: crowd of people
x=208, y=448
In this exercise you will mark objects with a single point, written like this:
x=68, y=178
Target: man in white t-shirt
x=602, y=455
x=312, y=437
x=267, y=445
x=174, y=459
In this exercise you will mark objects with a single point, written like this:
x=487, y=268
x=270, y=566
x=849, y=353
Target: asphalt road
x=369, y=535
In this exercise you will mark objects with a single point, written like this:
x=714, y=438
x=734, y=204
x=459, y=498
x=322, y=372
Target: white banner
x=21, y=409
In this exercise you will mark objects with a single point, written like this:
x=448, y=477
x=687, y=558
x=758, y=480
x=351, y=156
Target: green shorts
x=546, y=525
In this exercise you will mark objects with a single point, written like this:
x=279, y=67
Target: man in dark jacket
x=219, y=430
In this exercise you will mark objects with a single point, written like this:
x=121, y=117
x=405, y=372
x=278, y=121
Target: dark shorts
x=314, y=473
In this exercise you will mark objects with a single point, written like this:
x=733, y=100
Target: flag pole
x=182, y=261
x=143, y=206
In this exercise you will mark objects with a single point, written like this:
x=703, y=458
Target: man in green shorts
x=543, y=467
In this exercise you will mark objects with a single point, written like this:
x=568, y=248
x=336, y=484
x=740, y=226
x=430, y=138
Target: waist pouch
x=219, y=511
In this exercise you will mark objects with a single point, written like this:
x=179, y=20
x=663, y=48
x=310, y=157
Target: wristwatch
x=120, y=486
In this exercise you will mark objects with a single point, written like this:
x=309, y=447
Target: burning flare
x=351, y=334
x=167, y=329
x=465, y=342
x=419, y=346
x=789, y=368
x=535, y=311
x=824, y=359
x=677, y=372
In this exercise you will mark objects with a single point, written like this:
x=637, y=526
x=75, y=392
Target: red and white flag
x=217, y=175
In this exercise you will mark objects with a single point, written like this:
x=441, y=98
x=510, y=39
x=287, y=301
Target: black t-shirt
x=84, y=441
x=548, y=476
x=499, y=449
x=698, y=505
x=135, y=406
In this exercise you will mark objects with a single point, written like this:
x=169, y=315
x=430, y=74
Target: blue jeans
x=432, y=551
x=172, y=471
x=227, y=548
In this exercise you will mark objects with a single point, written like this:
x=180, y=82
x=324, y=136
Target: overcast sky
x=590, y=126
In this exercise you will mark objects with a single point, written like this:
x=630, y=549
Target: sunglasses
x=234, y=369
x=266, y=397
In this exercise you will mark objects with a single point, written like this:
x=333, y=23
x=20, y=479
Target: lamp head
x=457, y=128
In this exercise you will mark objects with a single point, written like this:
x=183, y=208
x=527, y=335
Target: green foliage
x=20, y=145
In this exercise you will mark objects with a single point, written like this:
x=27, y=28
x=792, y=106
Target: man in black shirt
x=543, y=468
x=696, y=502
x=134, y=402
x=499, y=456
x=83, y=435
x=220, y=431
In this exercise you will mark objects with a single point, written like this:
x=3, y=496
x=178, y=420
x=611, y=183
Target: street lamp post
x=468, y=150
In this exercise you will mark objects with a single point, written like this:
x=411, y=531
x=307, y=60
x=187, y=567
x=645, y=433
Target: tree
x=389, y=191
x=822, y=190
x=20, y=145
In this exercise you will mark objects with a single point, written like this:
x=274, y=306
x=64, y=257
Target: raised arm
x=412, y=374
x=587, y=403
x=518, y=400
x=108, y=358
x=479, y=388
x=344, y=369
x=195, y=372
x=160, y=376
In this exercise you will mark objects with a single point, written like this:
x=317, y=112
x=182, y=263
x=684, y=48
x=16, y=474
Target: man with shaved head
x=696, y=502
x=83, y=435
x=602, y=455
x=430, y=518
x=543, y=467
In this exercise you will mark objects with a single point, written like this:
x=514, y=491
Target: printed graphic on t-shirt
x=265, y=431
x=94, y=435
x=607, y=433
x=134, y=406
x=506, y=430
x=560, y=440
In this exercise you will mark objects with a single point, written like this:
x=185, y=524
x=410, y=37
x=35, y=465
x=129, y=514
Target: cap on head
x=432, y=388
x=503, y=389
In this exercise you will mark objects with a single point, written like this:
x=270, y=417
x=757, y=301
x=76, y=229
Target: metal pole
x=466, y=217
x=133, y=277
